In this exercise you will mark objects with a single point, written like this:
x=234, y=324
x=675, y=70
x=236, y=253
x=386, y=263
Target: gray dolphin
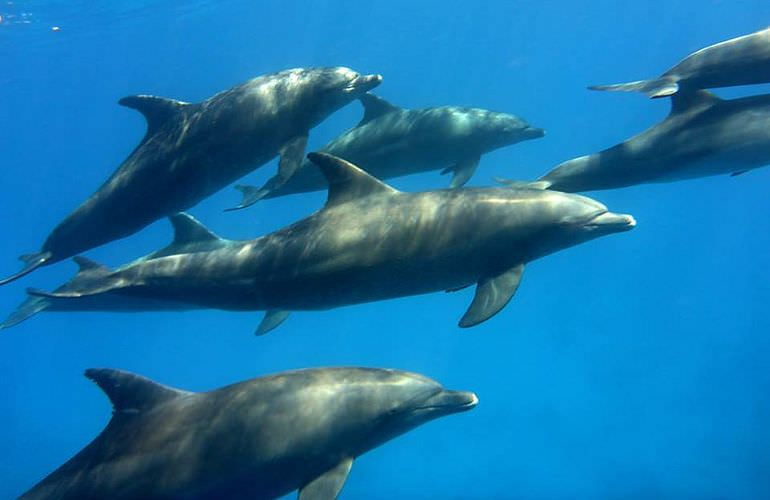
x=702, y=136
x=390, y=142
x=190, y=151
x=370, y=242
x=744, y=60
x=257, y=439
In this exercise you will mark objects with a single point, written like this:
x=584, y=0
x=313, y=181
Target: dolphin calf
x=190, y=151
x=369, y=242
x=258, y=439
x=702, y=136
x=744, y=60
x=390, y=142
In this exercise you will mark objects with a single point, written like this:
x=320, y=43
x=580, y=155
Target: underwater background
x=634, y=366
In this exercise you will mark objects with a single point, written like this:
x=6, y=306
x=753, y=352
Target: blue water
x=634, y=366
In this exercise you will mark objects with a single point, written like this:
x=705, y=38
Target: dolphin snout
x=365, y=83
x=451, y=401
x=534, y=132
x=609, y=220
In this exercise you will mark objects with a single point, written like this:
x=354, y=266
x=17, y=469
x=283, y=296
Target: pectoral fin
x=292, y=153
x=492, y=294
x=328, y=485
x=271, y=321
x=462, y=171
x=738, y=172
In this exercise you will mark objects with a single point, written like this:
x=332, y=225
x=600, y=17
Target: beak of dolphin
x=364, y=83
x=612, y=222
x=534, y=133
x=446, y=402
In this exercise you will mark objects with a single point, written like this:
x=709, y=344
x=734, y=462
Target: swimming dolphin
x=702, y=136
x=191, y=151
x=189, y=236
x=370, y=242
x=744, y=60
x=390, y=142
x=257, y=439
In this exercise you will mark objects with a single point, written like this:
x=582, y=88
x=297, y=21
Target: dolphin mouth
x=363, y=83
x=534, y=132
x=611, y=221
x=450, y=402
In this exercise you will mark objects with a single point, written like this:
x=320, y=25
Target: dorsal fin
x=375, y=107
x=156, y=110
x=187, y=229
x=688, y=99
x=131, y=393
x=347, y=182
x=87, y=265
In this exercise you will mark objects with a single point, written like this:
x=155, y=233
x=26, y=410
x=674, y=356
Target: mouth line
x=458, y=407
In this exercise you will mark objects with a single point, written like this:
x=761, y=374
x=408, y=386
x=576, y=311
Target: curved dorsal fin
x=685, y=100
x=131, y=393
x=347, y=182
x=375, y=107
x=187, y=229
x=156, y=110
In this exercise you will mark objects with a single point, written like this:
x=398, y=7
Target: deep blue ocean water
x=633, y=366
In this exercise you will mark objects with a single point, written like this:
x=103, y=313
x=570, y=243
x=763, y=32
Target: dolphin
x=390, y=142
x=703, y=135
x=258, y=439
x=192, y=150
x=744, y=60
x=370, y=242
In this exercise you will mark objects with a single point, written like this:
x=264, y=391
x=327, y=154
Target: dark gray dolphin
x=370, y=242
x=744, y=60
x=390, y=142
x=190, y=151
x=257, y=439
x=702, y=136
x=189, y=236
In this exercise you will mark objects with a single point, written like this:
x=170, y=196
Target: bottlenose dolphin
x=189, y=236
x=191, y=151
x=744, y=60
x=370, y=242
x=390, y=142
x=257, y=439
x=702, y=136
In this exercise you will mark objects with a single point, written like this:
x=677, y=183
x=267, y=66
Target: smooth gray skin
x=191, y=151
x=702, y=136
x=391, y=142
x=371, y=242
x=744, y=60
x=257, y=439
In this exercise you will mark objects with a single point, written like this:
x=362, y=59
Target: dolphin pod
x=192, y=150
x=390, y=142
x=260, y=439
x=369, y=242
x=744, y=60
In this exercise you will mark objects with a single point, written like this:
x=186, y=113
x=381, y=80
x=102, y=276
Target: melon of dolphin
x=192, y=150
x=390, y=142
x=370, y=242
x=744, y=60
x=257, y=439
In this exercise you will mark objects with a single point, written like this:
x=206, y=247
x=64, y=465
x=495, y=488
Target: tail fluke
x=251, y=195
x=31, y=262
x=662, y=87
x=92, y=279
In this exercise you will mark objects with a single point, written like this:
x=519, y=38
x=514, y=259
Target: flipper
x=271, y=321
x=661, y=87
x=457, y=288
x=328, y=485
x=462, y=171
x=375, y=107
x=131, y=393
x=92, y=279
x=156, y=110
x=31, y=262
x=739, y=172
x=347, y=182
x=492, y=294
x=541, y=185
x=27, y=309
x=291, y=158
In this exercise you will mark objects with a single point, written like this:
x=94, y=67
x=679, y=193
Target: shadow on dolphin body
x=390, y=142
x=192, y=150
x=744, y=60
x=262, y=438
x=369, y=242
